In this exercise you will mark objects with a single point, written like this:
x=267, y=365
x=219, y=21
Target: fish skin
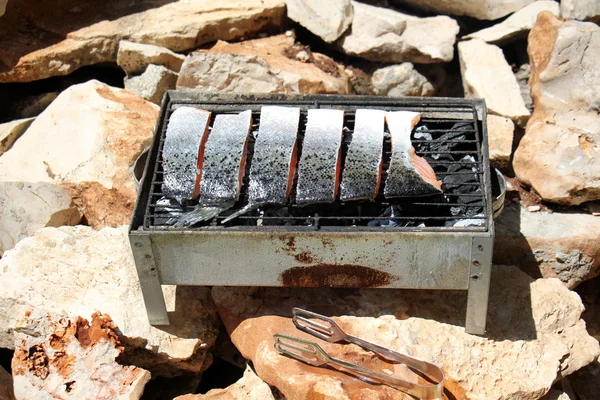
x=223, y=167
x=224, y=159
x=274, y=150
x=186, y=132
x=408, y=174
x=362, y=170
x=319, y=165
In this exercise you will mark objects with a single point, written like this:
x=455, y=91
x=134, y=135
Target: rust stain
x=304, y=257
x=290, y=243
x=335, y=275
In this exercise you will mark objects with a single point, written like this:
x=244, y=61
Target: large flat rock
x=535, y=335
x=480, y=9
x=79, y=270
x=558, y=156
x=48, y=38
x=380, y=34
x=326, y=19
x=86, y=142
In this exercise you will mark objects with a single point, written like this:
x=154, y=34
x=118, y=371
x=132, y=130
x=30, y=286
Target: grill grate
x=449, y=136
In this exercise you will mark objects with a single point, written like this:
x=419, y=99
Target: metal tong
x=311, y=353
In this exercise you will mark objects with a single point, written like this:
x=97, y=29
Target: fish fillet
x=362, y=170
x=185, y=138
x=223, y=167
x=408, y=174
x=319, y=166
x=274, y=160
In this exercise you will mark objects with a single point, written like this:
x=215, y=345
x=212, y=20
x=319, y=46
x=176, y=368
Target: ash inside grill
x=449, y=139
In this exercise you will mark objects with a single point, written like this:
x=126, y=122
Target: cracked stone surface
x=535, y=335
x=558, y=156
x=80, y=270
x=63, y=357
x=152, y=84
x=134, y=58
x=86, y=142
x=57, y=37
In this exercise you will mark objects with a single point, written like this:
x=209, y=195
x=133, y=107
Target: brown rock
x=57, y=37
x=535, y=336
x=249, y=387
x=262, y=65
x=558, y=154
x=92, y=164
x=61, y=357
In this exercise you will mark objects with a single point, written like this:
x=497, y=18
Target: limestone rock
x=249, y=387
x=326, y=19
x=401, y=80
x=522, y=75
x=517, y=25
x=487, y=75
x=11, y=131
x=558, y=155
x=56, y=37
x=580, y=9
x=480, y=9
x=86, y=141
x=554, y=394
x=500, y=140
x=380, y=34
x=6, y=383
x=561, y=245
x=62, y=357
x=27, y=207
x=535, y=336
x=134, y=58
x=153, y=83
x=266, y=65
x=81, y=271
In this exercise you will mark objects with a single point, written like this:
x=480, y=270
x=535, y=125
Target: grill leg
x=154, y=300
x=479, y=285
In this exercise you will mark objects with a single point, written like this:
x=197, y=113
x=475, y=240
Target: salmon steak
x=183, y=150
x=361, y=176
x=408, y=174
x=319, y=166
x=223, y=167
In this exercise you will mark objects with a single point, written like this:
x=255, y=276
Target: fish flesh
x=361, y=176
x=274, y=160
x=223, y=167
x=408, y=174
x=319, y=166
x=182, y=153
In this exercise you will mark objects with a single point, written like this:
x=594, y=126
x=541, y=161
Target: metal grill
x=456, y=154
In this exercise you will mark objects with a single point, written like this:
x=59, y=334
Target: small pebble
x=289, y=33
x=303, y=56
x=533, y=208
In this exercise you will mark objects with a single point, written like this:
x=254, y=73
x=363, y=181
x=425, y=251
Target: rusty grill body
x=436, y=242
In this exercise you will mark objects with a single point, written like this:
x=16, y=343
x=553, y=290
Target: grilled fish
x=319, y=166
x=362, y=170
x=274, y=160
x=408, y=174
x=223, y=167
x=183, y=150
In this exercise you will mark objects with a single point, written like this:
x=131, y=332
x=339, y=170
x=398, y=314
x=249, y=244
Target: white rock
x=580, y=9
x=559, y=154
x=27, y=207
x=153, y=83
x=517, y=24
x=62, y=357
x=81, y=271
x=487, y=75
x=401, y=80
x=500, y=140
x=261, y=66
x=86, y=142
x=326, y=19
x=11, y=131
x=560, y=245
x=380, y=34
x=535, y=336
x=480, y=9
x=177, y=25
x=248, y=387
x=134, y=58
